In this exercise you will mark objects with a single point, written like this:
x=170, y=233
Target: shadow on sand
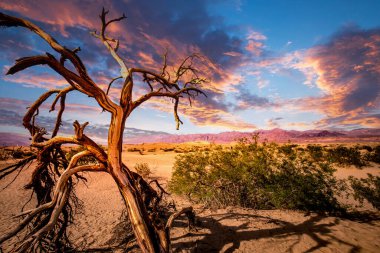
x=216, y=237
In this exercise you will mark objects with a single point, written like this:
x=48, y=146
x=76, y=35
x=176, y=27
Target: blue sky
x=289, y=64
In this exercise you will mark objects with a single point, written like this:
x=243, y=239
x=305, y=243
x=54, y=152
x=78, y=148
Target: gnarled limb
x=33, y=108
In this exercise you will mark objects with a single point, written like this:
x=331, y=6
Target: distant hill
x=276, y=135
x=13, y=139
x=135, y=136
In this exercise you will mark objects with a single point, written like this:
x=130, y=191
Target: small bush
x=15, y=153
x=133, y=150
x=18, y=154
x=316, y=152
x=3, y=155
x=143, y=169
x=366, y=147
x=346, y=156
x=287, y=149
x=374, y=155
x=367, y=189
x=263, y=176
x=167, y=149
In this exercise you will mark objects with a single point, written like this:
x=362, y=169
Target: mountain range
x=276, y=135
x=135, y=136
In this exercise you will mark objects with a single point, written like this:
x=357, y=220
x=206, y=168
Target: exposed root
x=19, y=165
x=188, y=211
x=46, y=216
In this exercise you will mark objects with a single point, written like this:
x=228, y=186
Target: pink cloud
x=37, y=80
x=347, y=71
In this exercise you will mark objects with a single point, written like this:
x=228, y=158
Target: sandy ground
x=223, y=230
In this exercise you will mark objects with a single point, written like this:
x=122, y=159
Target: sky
x=270, y=64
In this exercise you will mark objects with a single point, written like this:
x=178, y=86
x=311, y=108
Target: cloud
x=255, y=44
x=210, y=111
x=20, y=106
x=274, y=122
x=30, y=78
x=347, y=70
x=57, y=13
x=246, y=100
x=150, y=28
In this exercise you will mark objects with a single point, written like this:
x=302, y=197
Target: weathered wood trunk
x=147, y=237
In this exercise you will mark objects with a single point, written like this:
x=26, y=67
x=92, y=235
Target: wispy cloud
x=274, y=122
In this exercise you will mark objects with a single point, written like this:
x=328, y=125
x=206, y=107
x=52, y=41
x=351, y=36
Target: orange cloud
x=347, y=71
x=255, y=45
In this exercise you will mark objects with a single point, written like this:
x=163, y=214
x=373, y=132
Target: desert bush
x=366, y=147
x=287, y=149
x=143, y=169
x=15, y=153
x=133, y=150
x=3, y=154
x=316, y=152
x=374, y=155
x=346, y=156
x=167, y=149
x=262, y=176
x=366, y=189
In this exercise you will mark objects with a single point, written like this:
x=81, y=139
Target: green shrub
x=367, y=189
x=262, y=176
x=346, y=156
x=316, y=152
x=374, y=155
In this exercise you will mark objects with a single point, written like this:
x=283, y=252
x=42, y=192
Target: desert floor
x=223, y=230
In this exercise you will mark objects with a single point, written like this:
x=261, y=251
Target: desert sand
x=224, y=230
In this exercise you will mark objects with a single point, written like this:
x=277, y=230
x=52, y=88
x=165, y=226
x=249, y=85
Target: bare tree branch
x=102, y=36
x=113, y=80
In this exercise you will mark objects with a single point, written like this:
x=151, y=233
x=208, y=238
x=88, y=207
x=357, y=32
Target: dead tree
x=52, y=179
